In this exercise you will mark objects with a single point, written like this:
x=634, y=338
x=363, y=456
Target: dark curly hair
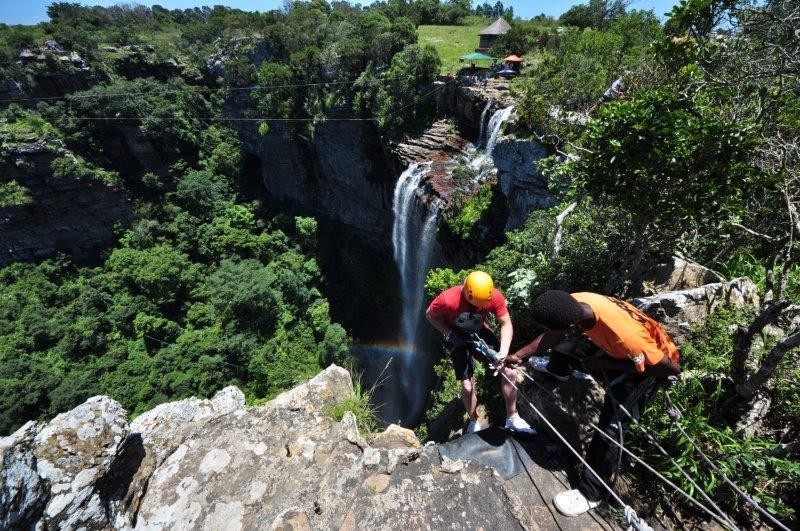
x=556, y=310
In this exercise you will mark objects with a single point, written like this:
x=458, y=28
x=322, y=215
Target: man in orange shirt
x=619, y=341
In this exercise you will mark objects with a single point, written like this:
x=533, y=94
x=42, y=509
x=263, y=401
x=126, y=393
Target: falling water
x=413, y=236
x=480, y=161
x=494, y=126
x=482, y=130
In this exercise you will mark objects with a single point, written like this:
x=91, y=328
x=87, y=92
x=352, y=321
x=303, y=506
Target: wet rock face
x=340, y=173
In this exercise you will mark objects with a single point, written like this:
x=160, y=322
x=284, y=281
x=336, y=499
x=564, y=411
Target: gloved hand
x=453, y=339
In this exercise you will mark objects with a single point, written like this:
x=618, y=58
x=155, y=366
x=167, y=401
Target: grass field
x=451, y=42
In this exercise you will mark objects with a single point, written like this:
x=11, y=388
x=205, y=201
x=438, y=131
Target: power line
x=253, y=119
x=193, y=87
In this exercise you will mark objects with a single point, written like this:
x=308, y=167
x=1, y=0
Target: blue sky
x=32, y=11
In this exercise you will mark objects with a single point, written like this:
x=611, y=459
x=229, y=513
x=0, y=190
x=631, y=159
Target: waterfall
x=413, y=236
x=482, y=162
x=494, y=126
x=486, y=108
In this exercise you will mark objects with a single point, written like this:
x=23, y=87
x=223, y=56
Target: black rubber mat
x=494, y=447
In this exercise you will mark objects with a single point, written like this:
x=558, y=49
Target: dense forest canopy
x=210, y=286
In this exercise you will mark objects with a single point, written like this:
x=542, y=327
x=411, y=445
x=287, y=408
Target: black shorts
x=464, y=358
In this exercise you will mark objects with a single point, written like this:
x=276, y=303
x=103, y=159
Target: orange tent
x=512, y=59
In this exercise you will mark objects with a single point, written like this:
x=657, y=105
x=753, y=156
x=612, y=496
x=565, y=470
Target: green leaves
x=673, y=162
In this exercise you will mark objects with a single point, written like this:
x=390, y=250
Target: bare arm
x=665, y=367
x=506, y=333
x=438, y=323
x=539, y=345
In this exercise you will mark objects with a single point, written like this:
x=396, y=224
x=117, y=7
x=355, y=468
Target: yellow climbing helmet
x=478, y=288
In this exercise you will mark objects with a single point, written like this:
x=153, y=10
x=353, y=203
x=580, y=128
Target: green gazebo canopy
x=475, y=56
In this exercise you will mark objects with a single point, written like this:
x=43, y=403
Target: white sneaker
x=573, y=503
x=473, y=426
x=518, y=424
x=539, y=363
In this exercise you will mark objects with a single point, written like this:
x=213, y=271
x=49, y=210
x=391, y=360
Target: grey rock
x=396, y=437
x=287, y=465
x=521, y=182
x=675, y=273
x=340, y=174
x=22, y=490
x=155, y=435
x=680, y=311
x=284, y=465
x=66, y=214
x=161, y=423
x=73, y=452
x=324, y=390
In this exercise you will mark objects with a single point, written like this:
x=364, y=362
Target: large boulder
x=284, y=465
x=73, y=453
x=681, y=311
x=288, y=465
x=155, y=435
x=22, y=490
x=158, y=427
x=395, y=437
x=675, y=273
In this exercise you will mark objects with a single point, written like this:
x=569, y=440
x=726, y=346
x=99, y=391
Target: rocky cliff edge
x=216, y=464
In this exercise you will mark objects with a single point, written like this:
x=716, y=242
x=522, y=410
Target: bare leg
x=470, y=398
x=509, y=391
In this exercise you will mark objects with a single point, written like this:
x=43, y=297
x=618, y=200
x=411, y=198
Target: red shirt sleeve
x=438, y=306
x=498, y=304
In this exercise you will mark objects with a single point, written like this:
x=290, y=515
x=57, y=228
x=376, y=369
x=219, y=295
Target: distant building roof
x=498, y=27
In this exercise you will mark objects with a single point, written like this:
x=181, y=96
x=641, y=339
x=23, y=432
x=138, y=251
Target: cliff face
x=65, y=214
x=341, y=173
x=214, y=464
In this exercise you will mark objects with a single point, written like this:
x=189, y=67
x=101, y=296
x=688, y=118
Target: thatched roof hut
x=490, y=34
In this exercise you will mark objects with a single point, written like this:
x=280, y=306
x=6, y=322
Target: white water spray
x=482, y=129
x=413, y=235
x=494, y=126
x=481, y=162
x=412, y=238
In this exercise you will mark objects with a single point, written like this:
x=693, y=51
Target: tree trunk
x=768, y=366
x=752, y=420
x=560, y=227
x=743, y=337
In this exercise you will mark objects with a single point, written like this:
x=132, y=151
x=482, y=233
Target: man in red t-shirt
x=457, y=313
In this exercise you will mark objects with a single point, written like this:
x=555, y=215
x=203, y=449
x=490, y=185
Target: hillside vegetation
x=700, y=158
x=211, y=286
